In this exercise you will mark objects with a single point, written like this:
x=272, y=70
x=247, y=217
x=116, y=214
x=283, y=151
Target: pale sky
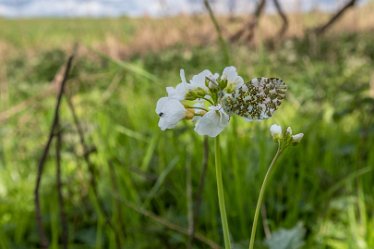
x=98, y=8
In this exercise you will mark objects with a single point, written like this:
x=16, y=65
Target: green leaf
x=287, y=238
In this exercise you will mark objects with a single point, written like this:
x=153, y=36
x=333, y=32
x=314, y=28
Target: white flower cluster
x=210, y=99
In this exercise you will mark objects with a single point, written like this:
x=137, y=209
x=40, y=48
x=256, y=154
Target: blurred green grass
x=326, y=182
x=31, y=34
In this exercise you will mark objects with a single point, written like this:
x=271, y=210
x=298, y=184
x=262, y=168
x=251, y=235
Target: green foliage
x=325, y=182
x=40, y=70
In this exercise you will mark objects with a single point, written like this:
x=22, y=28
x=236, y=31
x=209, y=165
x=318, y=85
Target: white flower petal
x=179, y=92
x=183, y=76
x=195, y=119
x=171, y=91
x=229, y=73
x=160, y=104
x=289, y=131
x=212, y=123
x=233, y=79
x=199, y=79
x=170, y=111
x=238, y=81
x=199, y=104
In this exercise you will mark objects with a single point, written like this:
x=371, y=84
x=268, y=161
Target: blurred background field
x=321, y=196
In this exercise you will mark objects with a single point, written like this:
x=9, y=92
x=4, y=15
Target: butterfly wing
x=257, y=99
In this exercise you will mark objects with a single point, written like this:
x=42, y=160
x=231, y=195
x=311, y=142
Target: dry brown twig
x=43, y=237
x=55, y=132
x=61, y=204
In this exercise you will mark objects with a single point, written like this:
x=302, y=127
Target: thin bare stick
x=91, y=169
x=223, y=43
x=190, y=209
x=284, y=18
x=82, y=140
x=43, y=237
x=248, y=30
x=323, y=28
x=64, y=223
x=200, y=188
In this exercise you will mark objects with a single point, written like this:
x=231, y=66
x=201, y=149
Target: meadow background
x=147, y=180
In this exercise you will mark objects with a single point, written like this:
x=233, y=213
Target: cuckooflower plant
x=209, y=100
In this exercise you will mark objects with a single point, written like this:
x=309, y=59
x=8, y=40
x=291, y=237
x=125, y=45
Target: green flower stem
x=208, y=100
x=261, y=196
x=196, y=107
x=221, y=199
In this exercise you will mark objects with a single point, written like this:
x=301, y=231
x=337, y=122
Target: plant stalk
x=221, y=199
x=261, y=196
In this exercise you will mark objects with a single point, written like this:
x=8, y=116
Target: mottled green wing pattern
x=257, y=99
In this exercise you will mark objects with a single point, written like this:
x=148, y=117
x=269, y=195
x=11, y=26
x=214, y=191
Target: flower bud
x=223, y=83
x=211, y=83
x=195, y=94
x=297, y=138
x=276, y=131
x=190, y=113
x=212, y=86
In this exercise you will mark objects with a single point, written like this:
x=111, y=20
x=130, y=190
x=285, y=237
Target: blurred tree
x=248, y=29
x=323, y=28
x=247, y=32
x=284, y=18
